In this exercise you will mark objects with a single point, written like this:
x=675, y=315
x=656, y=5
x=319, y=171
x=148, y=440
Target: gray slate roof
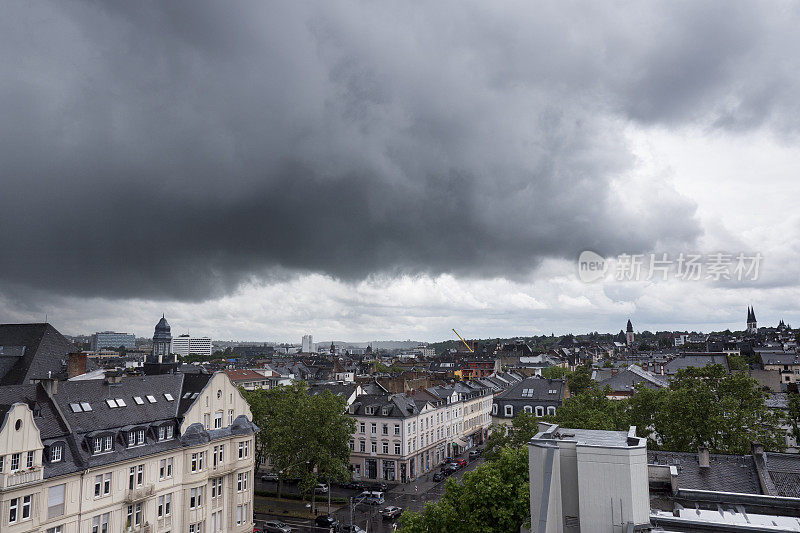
x=45, y=350
x=727, y=473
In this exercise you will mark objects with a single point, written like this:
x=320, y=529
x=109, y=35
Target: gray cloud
x=175, y=149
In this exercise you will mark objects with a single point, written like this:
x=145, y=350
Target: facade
x=534, y=395
x=184, y=345
x=308, y=344
x=588, y=481
x=401, y=436
x=165, y=453
x=479, y=368
x=112, y=339
x=785, y=364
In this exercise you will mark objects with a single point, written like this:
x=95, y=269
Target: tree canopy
x=492, y=498
x=304, y=436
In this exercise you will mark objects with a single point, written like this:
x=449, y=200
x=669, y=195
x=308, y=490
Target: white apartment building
x=158, y=454
x=399, y=437
x=308, y=344
x=184, y=345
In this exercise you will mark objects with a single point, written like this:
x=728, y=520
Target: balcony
x=22, y=477
x=139, y=494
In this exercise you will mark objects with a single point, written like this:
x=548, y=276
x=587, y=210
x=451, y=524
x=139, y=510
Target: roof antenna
x=45, y=318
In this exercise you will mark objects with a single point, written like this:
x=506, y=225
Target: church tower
x=629, y=333
x=752, y=325
x=162, y=343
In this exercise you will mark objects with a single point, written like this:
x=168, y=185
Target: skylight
x=76, y=407
x=195, y=395
x=120, y=403
x=151, y=398
x=138, y=400
x=187, y=395
x=86, y=406
x=111, y=403
x=168, y=396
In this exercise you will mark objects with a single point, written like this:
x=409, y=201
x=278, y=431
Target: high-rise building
x=184, y=345
x=112, y=339
x=308, y=344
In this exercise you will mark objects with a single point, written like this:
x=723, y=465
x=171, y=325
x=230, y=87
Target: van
x=373, y=497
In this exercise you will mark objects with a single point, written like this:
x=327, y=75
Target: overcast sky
x=390, y=170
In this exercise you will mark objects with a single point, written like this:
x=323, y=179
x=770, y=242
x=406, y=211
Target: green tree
x=737, y=363
x=304, y=436
x=556, y=372
x=591, y=409
x=581, y=380
x=492, y=498
x=793, y=414
x=521, y=430
x=707, y=407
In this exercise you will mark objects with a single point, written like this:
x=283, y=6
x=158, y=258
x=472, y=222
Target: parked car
x=449, y=468
x=391, y=512
x=275, y=526
x=461, y=462
x=327, y=521
x=373, y=497
x=321, y=488
x=438, y=476
x=376, y=486
x=355, y=485
x=347, y=528
x=269, y=477
x=474, y=454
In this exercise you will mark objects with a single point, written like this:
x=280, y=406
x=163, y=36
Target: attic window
x=121, y=403
x=76, y=407
x=138, y=400
x=195, y=395
x=86, y=406
x=111, y=403
x=168, y=396
x=185, y=396
x=527, y=393
x=151, y=398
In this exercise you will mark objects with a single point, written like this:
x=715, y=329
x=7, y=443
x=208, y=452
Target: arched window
x=494, y=409
x=528, y=409
x=509, y=410
x=539, y=410
x=551, y=410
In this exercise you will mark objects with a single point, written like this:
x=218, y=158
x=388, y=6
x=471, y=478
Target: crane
x=465, y=342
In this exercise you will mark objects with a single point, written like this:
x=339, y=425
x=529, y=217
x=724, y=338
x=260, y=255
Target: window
x=55, y=454
x=373, y=428
x=14, y=462
x=238, y=515
x=494, y=409
x=374, y=447
x=151, y=398
x=197, y=461
x=55, y=500
x=2, y=462
x=361, y=446
x=29, y=462
x=230, y=417
x=164, y=505
x=362, y=427
x=528, y=409
x=551, y=410
x=206, y=420
x=218, y=420
x=509, y=410
x=352, y=445
x=107, y=443
x=135, y=476
x=162, y=432
x=244, y=449
x=56, y=529
x=138, y=400
x=165, y=468
x=168, y=397
x=397, y=429
x=216, y=487
x=26, y=507
x=98, y=445
x=195, y=497
x=170, y=431
x=385, y=429
x=385, y=448
x=100, y=523
x=98, y=486
x=397, y=448
x=134, y=517
x=241, y=482
x=539, y=410
x=12, y=510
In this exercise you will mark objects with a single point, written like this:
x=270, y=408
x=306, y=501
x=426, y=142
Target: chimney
x=50, y=384
x=76, y=364
x=702, y=457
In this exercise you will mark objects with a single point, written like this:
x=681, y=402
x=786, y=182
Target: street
x=410, y=496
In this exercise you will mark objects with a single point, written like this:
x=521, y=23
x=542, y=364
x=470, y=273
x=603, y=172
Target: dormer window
x=102, y=444
x=55, y=453
x=165, y=432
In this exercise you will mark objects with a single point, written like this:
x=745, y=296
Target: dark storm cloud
x=173, y=149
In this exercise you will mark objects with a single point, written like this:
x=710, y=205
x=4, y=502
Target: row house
x=158, y=454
